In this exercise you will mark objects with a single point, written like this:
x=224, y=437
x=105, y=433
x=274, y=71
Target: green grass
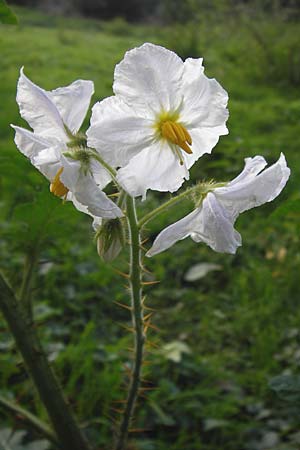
x=241, y=323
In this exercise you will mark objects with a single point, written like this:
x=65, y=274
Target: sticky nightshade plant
x=164, y=116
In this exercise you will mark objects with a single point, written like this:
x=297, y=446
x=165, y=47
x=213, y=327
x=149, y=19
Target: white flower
x=212, y=222
x=55, y=118
x=166, y=114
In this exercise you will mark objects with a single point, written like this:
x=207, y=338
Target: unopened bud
x=110, y=239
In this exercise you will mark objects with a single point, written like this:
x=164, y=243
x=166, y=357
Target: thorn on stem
x=123, y=305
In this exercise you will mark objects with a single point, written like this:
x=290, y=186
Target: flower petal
x=82, y=208
x=251, y=191
x=98, y=204
x=30, y=144
x=156, y=167
x=252, y=168
x=48, y=162
x=208, y=224
x=100, y=174
x=173, y=233
x=117, y=133
x=72, y=102
x=149, y=77
x=38, y=109
x=204, y=103
x=203, y=141
x=215, y=228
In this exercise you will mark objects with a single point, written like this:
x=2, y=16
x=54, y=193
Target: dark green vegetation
x=230, y=332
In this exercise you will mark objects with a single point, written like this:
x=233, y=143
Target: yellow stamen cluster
x=177, y=134
x=57, y=187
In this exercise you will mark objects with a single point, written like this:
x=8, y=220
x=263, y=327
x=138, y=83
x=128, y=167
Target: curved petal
x=156, y=167
x=203, y=141
x=82, y=208
x=252, y=191
x=38, y=110
x=98, y=204
x=215, y=228
x=29, y=143
x=173, y=233
x=48, y=162
x=72, y=102
x=150, y=77
x=204, y=103
x=117, y=133
x=252, y=168
x=100, y=174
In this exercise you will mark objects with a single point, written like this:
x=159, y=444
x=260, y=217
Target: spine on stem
x=137, y=321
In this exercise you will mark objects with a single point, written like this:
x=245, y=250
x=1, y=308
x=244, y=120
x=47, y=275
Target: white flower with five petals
x=213, y=221
x=55, y=117
x=166, y=114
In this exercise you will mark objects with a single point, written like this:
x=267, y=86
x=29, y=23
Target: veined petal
x=251, y=191
x=98, y=204
x=214, y=227
x=251, y=169
x=203, y=141
x=29, y=143
x=149, y=77
x=72, y=102
x=156, y=167
x=117, y=133
x=48, y=162
x=82, y=208
x=204, y=103
x=100, y=174
x=173, y=233
x=38, y=110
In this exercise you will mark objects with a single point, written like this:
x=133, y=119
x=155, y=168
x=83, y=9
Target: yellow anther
x=57, y=187
x=177, y=134
x=168, y=132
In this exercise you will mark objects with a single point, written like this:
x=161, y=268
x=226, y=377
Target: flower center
x=57, y=187
x=177, y=134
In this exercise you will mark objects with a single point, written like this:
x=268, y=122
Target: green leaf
x=6, y=14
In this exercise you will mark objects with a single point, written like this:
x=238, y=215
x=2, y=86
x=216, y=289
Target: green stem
x=24, y=295
x=26, y=337
x=137, y=321
x=151, y=215
x=109, y=169
x=30, y=418
x=200, y=189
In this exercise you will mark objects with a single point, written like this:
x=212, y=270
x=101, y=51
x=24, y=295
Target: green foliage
x=6, y=14
x=240, y=323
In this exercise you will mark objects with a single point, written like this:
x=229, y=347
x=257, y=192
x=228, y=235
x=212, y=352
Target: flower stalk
x=137, y=321
x=200, y=189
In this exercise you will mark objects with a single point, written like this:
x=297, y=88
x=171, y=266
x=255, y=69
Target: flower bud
x=110, y=239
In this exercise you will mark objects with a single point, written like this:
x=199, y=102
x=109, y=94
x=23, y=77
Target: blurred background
x=227, y=358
